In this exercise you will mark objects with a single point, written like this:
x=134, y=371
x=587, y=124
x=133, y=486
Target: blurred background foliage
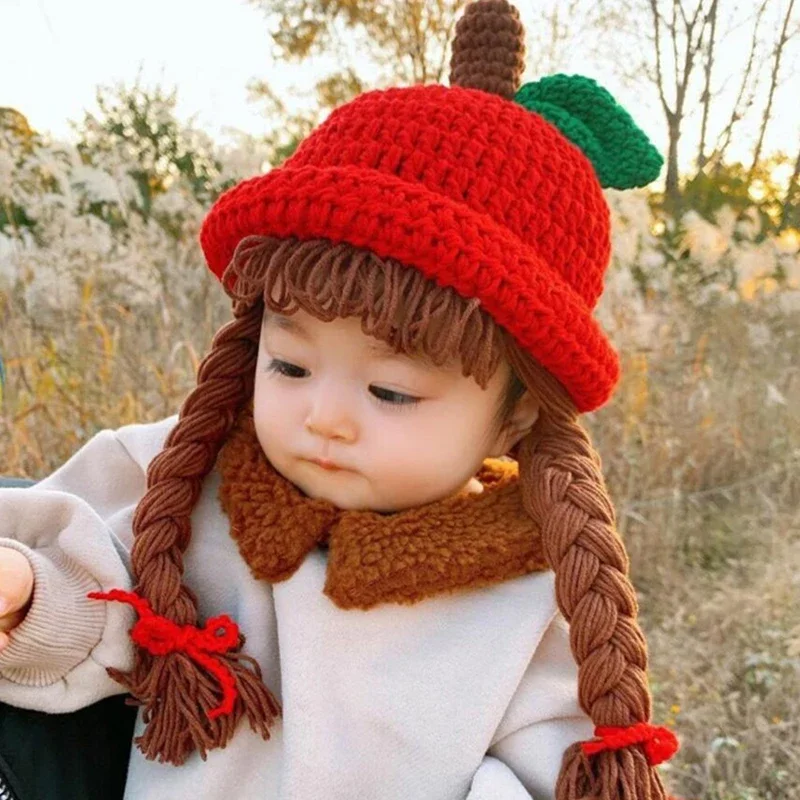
x=106, y=308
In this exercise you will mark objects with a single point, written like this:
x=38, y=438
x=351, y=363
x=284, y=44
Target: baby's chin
x=348, y=501
x=328, y=486
x=352, y=491
x=350, y=498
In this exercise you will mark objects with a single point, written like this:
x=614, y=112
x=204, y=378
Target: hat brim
x=444, y=239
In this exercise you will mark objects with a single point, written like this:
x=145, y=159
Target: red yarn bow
x=660, y=743
x=160, y=636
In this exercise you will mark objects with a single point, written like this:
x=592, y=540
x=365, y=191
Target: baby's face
x=401, y=432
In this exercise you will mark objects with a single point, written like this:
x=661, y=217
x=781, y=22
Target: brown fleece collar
x=461, y=542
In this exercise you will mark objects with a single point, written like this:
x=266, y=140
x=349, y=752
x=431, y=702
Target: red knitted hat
x=500, y=199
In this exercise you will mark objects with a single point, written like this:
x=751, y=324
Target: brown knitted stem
x=489, y=48
x=564, y=492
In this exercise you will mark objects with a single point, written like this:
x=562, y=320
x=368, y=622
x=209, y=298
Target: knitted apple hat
x=498, y=197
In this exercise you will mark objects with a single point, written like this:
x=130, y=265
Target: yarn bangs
x=397, y=304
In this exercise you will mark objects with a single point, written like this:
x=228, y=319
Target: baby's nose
x=332, y=416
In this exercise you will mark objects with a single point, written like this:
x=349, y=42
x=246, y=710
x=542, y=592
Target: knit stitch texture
x=475, y=191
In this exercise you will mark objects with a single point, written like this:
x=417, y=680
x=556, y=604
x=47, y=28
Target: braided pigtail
x=195, y=685
x=564, y=492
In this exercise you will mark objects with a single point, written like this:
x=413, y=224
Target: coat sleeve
x=75, y=528
x=542, y=720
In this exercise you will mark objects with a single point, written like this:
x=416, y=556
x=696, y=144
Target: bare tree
x=746, y=95
x=407, y=40
x=708, y=66
x=683, y=32
x=677, y=44
x=780, y=45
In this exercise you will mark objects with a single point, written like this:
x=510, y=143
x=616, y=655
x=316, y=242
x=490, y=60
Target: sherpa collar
x=461, y=542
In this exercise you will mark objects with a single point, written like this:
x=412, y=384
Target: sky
x=54, y=53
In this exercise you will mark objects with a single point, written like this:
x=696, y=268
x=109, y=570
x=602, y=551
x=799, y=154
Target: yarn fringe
x=610, y=775
x=177, y=696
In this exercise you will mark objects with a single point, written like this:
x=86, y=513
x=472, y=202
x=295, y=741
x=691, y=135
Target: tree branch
x=725, y=136
x=705, y=98
x=779, y=47
x=659, y=70
x=792, y=198
x=447, y=36
x=673, y=29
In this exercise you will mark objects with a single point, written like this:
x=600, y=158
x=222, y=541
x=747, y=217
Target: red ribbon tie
x=660, y=743
x=160, y=636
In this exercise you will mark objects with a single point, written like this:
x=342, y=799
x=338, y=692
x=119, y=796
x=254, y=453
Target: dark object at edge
x=82, y=755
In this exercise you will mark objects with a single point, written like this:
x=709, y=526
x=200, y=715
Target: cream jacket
x=465, y=696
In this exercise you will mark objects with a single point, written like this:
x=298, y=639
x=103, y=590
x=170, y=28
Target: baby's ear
x=526, y=412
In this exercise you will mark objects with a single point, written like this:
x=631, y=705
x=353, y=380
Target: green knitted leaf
x=587, y=114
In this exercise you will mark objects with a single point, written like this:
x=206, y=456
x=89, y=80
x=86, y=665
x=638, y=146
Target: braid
x=176, y=692
x=564, y=492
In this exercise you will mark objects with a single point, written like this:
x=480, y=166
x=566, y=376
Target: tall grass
x=701, y=448
x=98, y=366
x=700, y=445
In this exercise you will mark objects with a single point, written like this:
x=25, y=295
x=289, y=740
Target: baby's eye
x=393, y=398
x=386, y=396
x=285, y=368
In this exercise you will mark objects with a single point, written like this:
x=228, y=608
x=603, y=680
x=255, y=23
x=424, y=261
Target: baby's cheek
x=273, y=430
x=423, y=475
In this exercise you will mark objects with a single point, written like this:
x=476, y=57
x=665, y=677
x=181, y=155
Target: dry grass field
x=700, y=447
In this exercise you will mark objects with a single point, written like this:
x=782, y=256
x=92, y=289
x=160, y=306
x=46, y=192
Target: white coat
x=462, y=696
